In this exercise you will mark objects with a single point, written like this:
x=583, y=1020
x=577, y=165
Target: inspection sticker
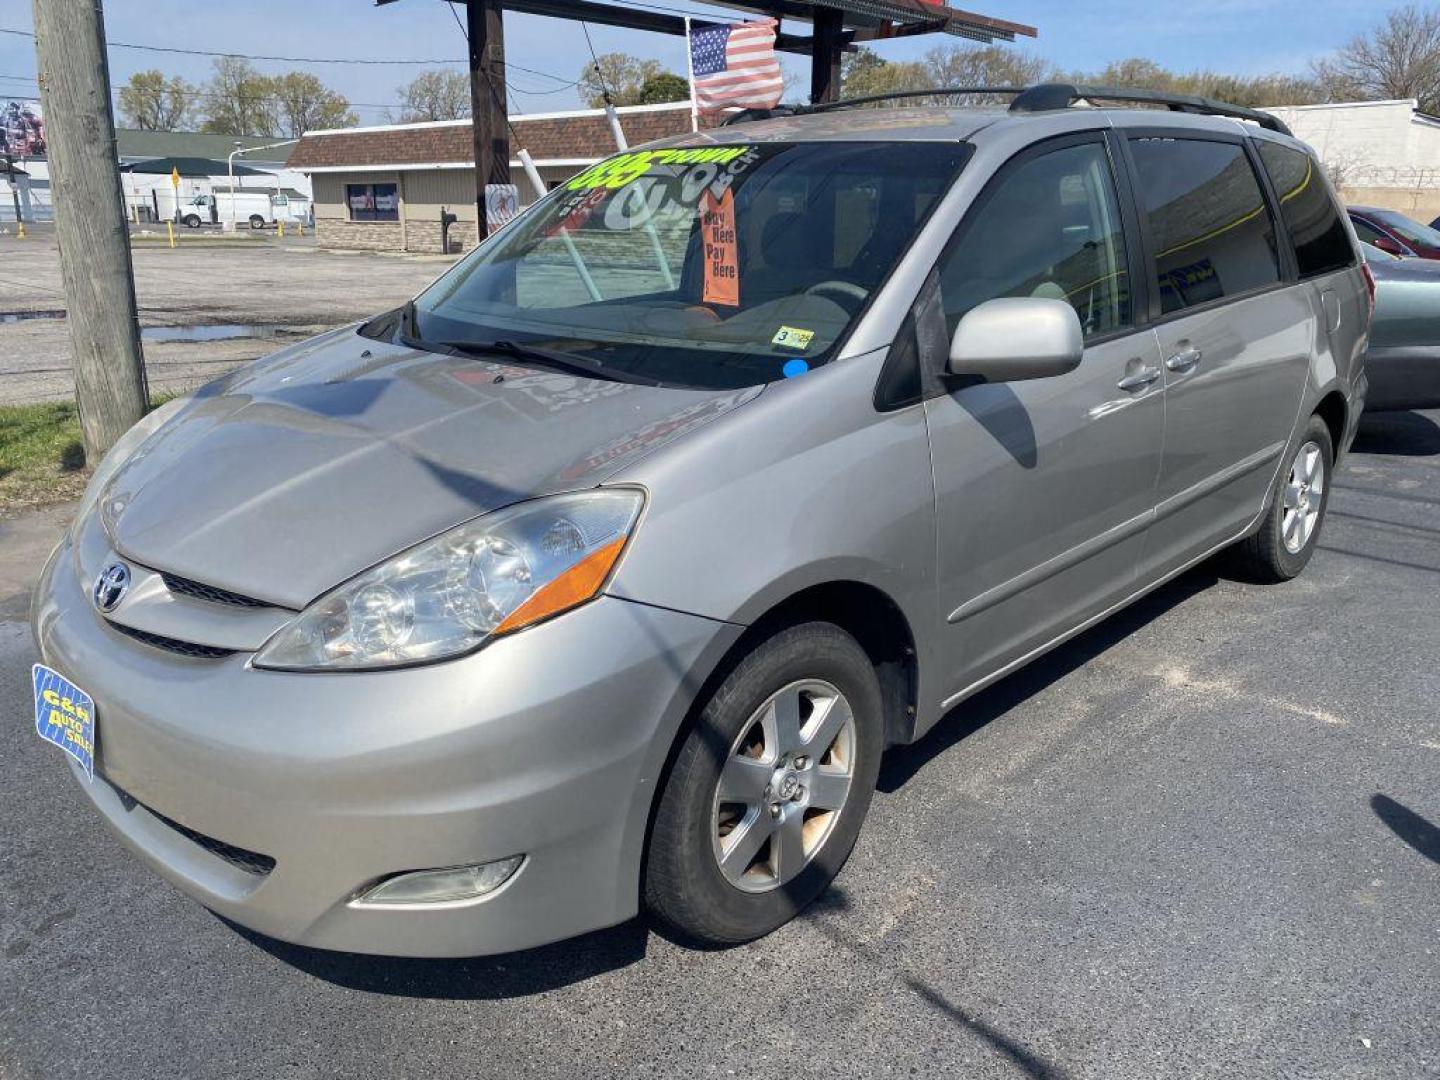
x=790, y=337
x=65, y=716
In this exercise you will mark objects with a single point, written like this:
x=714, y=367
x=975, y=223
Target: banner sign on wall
x=22, y=129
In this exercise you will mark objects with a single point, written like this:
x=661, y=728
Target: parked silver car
x=599, y=576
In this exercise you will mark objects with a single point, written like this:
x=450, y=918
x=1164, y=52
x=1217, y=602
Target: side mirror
x=1013, y=338
x=1392, y=247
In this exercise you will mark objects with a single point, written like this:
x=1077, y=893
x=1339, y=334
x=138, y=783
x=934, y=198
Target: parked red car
x=1393, y=232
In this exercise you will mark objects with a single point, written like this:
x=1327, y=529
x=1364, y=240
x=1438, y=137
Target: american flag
x=735, y=66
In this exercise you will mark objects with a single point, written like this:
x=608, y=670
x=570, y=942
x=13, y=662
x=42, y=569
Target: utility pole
x=485, y=27
x=90, y=220
x=825, y=48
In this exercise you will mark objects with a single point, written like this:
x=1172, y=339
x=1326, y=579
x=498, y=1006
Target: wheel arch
x=864, y=611
x=1335, y=411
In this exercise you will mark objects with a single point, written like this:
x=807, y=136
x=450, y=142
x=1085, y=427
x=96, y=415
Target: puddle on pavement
x=26, y=316
x=208, y=332
x=199, y=332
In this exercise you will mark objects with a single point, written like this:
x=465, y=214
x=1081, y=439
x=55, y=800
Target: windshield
x=1412, y=232
x=715, y=267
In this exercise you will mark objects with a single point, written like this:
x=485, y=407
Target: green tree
x=303, y=103
x=435, y=95
x=864, y=72
x=1256, y=91
x=152, y=102
x=658, y=89
x=623, y=75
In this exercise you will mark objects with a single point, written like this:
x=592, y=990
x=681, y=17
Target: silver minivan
x=600, y=576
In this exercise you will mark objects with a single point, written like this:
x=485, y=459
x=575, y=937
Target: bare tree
x=239, y=100
x=1400, y=58
x=993, y=65
x=435, y=95
x=151, y=102
x=865, y=72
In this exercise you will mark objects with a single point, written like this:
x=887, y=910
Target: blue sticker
x=65, y=716
x=794, y=367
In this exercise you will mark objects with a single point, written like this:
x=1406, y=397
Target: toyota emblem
x=111, y=586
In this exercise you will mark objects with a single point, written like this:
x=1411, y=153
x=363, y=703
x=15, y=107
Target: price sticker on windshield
x=722, y=260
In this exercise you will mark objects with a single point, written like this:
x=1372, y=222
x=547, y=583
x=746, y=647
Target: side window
x=1049, y=227
x=1321, y=243
x=1208, y=220
x=1367, y=233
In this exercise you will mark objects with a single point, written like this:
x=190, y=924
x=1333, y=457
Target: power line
x=599, y=75
x=253, y=56
x=305, y=59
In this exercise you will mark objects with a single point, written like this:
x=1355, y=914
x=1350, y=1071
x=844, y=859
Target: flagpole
x=690, y=72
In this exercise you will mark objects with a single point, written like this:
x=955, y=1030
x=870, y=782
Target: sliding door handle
x=1183, y=361
x=1139, y=379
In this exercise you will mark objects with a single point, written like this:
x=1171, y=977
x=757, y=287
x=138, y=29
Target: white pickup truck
x=255, y=208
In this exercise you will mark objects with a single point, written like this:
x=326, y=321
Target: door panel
x=1235, y=340
x=1228, y=416
x=1044, y=490
x=1045, y=487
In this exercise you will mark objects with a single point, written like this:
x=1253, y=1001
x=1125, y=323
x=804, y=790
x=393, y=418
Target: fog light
x=443, y=886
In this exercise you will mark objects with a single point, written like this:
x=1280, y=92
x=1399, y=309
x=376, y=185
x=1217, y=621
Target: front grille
x=251, y=862
x=182, y=648
x=200, y=591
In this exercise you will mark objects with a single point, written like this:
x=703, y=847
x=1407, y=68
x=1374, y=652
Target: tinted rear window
x=1321, y=242
x=1208, y=220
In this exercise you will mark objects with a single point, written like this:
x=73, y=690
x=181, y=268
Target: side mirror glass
x=1013, y=338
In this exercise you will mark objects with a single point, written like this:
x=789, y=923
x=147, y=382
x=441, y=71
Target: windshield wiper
x=575, y=363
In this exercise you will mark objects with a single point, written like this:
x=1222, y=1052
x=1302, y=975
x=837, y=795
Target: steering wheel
x=846, y=293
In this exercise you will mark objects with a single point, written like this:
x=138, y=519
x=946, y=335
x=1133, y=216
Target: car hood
x=291, y=475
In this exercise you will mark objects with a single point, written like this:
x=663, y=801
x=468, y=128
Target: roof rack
x=1048, y=96
x=1044, y=97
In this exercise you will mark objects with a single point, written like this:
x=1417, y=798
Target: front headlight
x=449, y=595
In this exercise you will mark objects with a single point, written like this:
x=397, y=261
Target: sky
x=1245, y=37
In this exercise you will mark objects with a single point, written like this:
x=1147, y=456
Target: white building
x=1381, y=153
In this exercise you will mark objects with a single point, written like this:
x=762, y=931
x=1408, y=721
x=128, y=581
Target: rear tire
x=256, y=221
x=1283, y=544
x=795, y=733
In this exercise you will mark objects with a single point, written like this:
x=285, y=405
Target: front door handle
x=1139, y=379
x=1183, y=361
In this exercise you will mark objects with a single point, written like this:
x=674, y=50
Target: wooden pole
x=90, y=220
x=486, y=29
x=825, y=54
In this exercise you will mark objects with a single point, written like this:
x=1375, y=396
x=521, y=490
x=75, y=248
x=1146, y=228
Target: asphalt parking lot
x=1201, y=840
x=257, y=294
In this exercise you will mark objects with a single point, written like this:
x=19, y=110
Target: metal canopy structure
x=837, y=25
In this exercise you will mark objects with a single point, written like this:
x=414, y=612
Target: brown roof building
x=383, y=188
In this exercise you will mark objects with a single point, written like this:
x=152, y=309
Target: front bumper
x=547, y=744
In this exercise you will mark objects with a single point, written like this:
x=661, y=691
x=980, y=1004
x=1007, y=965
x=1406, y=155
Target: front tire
x=1283, y=544
x=192, y=221
x=769, y=790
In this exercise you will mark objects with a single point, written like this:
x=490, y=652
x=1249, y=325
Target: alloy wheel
x=1304, y=493
x=783, y=785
